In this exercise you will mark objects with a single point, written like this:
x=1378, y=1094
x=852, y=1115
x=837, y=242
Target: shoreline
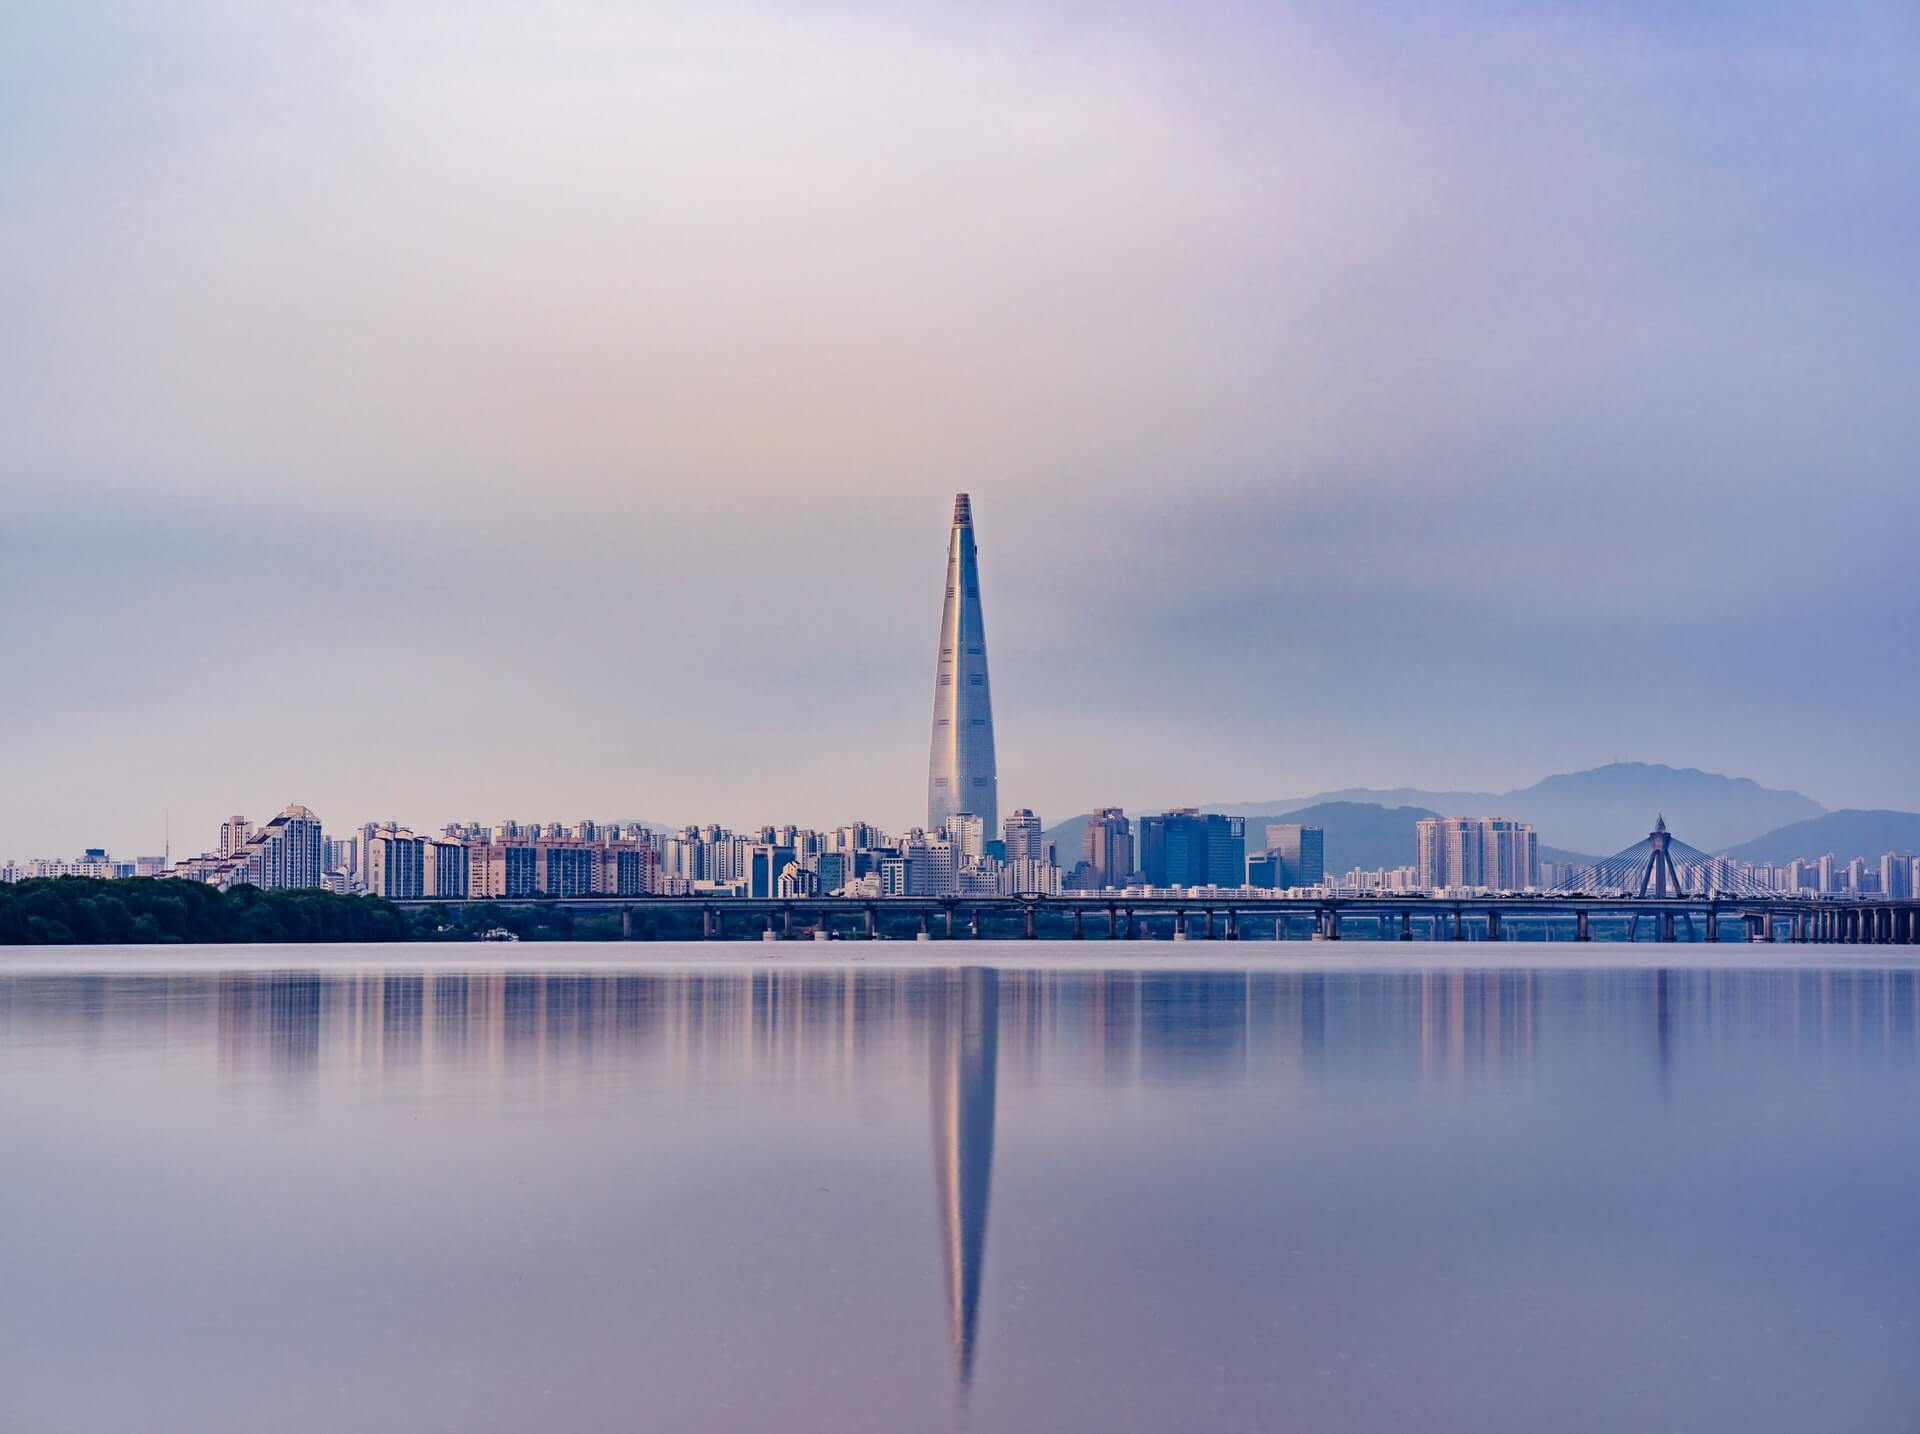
x=1370, y=956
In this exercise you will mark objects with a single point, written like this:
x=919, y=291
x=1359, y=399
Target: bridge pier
x=1333, y=923
x=1026, y=926
x=1113, y=923
x=1179, y=925
x=949, y=923
x=770, y=934
x=1233, y=924
x=973, y=924
x=1079, y=932
x=1133, y=931
x=707, y=932
x=869, y=923
x=1713, y=922
x=1493, y=924
x=1406, y=924
x=786, y=922
x=1210, y=923
x=1459, y=925
x=626, y=923
x=925, y=932
x=1666, y=927
x=1581, y=930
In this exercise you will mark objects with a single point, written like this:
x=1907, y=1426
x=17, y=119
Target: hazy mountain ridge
x=1847, y=833
x=1602, y=809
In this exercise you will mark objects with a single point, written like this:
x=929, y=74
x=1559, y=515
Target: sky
x=438, y=412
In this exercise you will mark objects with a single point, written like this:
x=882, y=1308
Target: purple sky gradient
x=432, y=415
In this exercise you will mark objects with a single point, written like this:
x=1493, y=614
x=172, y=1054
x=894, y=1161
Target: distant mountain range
x=1362, y=834
x=1605, y=808
x=1598, y=811
x=1846, y=834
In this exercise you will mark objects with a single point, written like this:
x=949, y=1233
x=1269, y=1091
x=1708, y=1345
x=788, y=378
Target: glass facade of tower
x=960, y=767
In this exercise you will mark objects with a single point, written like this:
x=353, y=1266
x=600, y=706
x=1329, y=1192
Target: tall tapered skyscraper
x=960, y=772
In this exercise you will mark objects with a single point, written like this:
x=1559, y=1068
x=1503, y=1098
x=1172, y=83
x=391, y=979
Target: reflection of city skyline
x=1129, y=1027
x=985, y=1042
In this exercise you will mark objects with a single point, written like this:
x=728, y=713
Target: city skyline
x=1399, y=385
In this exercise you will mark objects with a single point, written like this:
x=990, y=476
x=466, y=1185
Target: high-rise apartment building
x=969, y=836
x=292, y=850
x=234, y=832
x=960, y=767
x=396, y=863
x=443, y=868
x=501, y=869
x=1486, y=852
x=1023, y=837
x=1028, y=876
x=1896, y=875
x=1107, y=849
x=626, y=868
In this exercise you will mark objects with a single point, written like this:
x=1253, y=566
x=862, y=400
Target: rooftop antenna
x=166, y=837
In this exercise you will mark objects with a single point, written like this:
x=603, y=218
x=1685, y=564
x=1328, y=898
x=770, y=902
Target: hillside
x=1600, y=810
x=1848, y=833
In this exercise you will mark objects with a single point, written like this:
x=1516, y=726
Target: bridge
x=1677, y=891
x=1239, y=916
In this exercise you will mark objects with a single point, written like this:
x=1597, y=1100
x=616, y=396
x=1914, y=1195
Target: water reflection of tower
x=964, y=1019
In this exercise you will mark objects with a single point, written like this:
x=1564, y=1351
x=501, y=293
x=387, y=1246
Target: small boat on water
x=498, y=933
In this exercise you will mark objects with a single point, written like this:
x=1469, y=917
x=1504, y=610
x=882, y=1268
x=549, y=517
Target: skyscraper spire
x=960, y=770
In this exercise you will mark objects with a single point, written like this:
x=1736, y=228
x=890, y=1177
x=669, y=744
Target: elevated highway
x=1238, y=916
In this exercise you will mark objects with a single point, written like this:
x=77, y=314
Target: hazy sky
x=455, y=411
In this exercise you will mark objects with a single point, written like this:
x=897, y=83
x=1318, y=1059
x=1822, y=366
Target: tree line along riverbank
x=141, y=911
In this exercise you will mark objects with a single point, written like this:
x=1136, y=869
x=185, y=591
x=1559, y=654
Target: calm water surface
x=1004, y=1189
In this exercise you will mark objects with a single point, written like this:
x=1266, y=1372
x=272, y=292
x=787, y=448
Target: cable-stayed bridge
x=1663, y=866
